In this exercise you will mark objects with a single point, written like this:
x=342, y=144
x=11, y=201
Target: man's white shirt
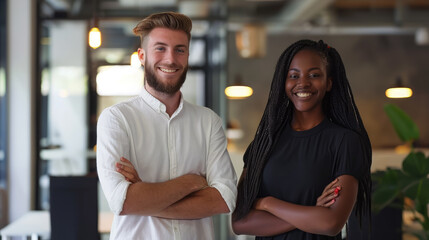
x=161, y=148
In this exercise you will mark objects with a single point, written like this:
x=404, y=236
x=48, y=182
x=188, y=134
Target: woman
x=311, y=133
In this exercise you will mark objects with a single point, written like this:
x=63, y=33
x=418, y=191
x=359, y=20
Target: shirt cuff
x=227, y=194
x=118, y=197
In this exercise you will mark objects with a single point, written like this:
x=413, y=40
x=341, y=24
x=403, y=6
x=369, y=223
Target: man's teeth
x=168, y=70
x=303, y=94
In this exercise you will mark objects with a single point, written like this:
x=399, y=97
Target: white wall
x=21, y=19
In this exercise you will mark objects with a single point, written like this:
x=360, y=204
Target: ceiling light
x=251, y=41
x=238, y=90
x=94, y=38
x=422, y=36
x=399, y=90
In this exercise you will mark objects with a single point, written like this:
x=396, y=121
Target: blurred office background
x=53, y=85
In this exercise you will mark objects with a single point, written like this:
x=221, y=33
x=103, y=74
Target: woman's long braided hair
x=338, y=106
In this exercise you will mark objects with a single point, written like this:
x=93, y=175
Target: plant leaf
x=416, y=165
x=424, y=194
x=404, y=126
x=383, y=196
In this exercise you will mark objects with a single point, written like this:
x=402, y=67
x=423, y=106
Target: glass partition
x=64, y=87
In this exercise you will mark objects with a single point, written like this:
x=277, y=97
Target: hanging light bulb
x=135, y=61
x=399, y=90
x=94, y=38
x=238, y=90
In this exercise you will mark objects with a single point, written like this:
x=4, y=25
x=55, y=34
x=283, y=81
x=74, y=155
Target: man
x=179, y=173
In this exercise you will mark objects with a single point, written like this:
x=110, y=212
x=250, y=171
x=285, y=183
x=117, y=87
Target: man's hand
x=127, y=170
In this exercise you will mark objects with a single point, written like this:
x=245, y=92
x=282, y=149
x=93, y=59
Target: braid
x=339, y=107
x=343, y=111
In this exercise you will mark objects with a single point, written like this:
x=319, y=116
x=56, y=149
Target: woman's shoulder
x=341, y=133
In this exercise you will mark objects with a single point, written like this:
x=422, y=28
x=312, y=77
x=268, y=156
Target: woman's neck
x=302, y=121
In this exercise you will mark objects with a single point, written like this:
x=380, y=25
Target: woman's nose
x=304, y=81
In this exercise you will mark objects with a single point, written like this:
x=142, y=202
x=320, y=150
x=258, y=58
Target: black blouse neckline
x=316, y=129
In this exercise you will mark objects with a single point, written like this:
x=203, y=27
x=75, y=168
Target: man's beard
x=159, y=86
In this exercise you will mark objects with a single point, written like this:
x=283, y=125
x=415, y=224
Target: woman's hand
x=329, y=194
x=127, y=170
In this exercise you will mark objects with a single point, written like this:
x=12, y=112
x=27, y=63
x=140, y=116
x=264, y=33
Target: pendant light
x=399, y=90
x=238, y=90
x=94, y=37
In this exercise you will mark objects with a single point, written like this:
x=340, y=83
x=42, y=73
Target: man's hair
x=338, y=106
x=170, y=20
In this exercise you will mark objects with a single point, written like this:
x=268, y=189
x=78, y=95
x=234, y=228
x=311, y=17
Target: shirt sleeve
x=112, y=143
x=220, y=171
x=349, y=158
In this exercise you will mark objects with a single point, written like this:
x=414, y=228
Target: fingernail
x=337, y=189
x=333, y=200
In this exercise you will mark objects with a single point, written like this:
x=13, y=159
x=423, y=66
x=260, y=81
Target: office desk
x=38, y=224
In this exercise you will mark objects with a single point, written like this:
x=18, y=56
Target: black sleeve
x=349, y=157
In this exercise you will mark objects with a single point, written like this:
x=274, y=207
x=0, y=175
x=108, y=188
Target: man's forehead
x=168, y=37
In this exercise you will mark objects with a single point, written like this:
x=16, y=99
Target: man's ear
x=329, y=87
x=141, y=54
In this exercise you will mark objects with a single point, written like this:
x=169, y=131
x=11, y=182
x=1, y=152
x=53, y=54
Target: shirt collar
x=157, y=105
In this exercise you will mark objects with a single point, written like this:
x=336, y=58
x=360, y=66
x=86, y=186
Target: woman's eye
x=293, y=76
x=314, y=75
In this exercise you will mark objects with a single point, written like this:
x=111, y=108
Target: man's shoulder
x=122, y=107
x=199, y=110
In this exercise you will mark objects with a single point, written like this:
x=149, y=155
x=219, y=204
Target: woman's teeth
x=303, y=94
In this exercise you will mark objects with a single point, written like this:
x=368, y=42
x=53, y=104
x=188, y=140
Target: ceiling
x=288, y=12
x=278, y=16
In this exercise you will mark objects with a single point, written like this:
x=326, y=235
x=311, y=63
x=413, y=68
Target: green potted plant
x=408, y=185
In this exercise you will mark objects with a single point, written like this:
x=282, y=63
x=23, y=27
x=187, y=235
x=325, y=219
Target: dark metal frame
x=3, y=100
x=38, y=98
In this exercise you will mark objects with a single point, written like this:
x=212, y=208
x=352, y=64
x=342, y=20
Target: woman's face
x=307, y=81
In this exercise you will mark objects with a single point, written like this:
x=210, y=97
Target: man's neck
x=171, y=101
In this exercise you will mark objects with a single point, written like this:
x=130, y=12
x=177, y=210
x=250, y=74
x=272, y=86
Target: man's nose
x=170, y=56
